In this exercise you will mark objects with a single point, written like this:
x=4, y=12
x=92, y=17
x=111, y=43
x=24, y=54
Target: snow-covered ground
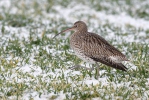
x=72, y=13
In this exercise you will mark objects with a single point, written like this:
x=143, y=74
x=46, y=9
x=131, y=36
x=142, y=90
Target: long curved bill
x=66, y=30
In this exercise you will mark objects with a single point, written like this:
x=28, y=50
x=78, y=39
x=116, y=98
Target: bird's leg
x=79, y=67
x=97, y=71
x=76, y=67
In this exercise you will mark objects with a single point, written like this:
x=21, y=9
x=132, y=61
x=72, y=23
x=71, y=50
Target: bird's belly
x=83, y=57
x=76, y=45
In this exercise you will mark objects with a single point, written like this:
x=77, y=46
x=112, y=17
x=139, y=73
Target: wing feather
x=98, y=49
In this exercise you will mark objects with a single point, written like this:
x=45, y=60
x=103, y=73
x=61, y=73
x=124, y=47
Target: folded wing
x=98, y=49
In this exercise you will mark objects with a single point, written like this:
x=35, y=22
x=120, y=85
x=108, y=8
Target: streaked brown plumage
x=93, y=48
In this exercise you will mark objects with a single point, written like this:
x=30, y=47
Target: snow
x=68, y=13
x=96, y=82
x=5, y=3
x=118, y=20
x=35, y=95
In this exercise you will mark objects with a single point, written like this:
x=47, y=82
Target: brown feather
x=98, y=49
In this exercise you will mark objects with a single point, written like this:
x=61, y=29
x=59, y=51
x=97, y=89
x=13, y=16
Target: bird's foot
x=77, y=67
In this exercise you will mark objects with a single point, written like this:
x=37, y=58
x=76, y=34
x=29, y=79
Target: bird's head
x=78, y=26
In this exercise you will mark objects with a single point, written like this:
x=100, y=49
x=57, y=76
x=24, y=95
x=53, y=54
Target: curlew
x=92, y=48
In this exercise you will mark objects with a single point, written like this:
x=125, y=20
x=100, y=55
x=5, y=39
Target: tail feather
x=107, y=62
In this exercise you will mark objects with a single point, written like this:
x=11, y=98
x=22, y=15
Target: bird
x=92, y=48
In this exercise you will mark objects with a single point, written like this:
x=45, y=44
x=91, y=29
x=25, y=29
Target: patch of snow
x=68, y=13
x=5, y=3
x=119, y=20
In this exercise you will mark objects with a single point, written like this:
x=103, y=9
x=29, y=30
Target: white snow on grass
x=118, y=20
x=70, y=13
x=50, y=96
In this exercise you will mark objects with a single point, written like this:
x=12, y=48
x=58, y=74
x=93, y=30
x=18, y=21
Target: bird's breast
x=77, y=45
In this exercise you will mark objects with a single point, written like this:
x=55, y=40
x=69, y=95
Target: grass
x=33, y=65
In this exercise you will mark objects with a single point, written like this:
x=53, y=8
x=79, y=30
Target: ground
x=33, y=66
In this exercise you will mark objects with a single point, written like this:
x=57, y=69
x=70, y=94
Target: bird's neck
x=81, y=32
